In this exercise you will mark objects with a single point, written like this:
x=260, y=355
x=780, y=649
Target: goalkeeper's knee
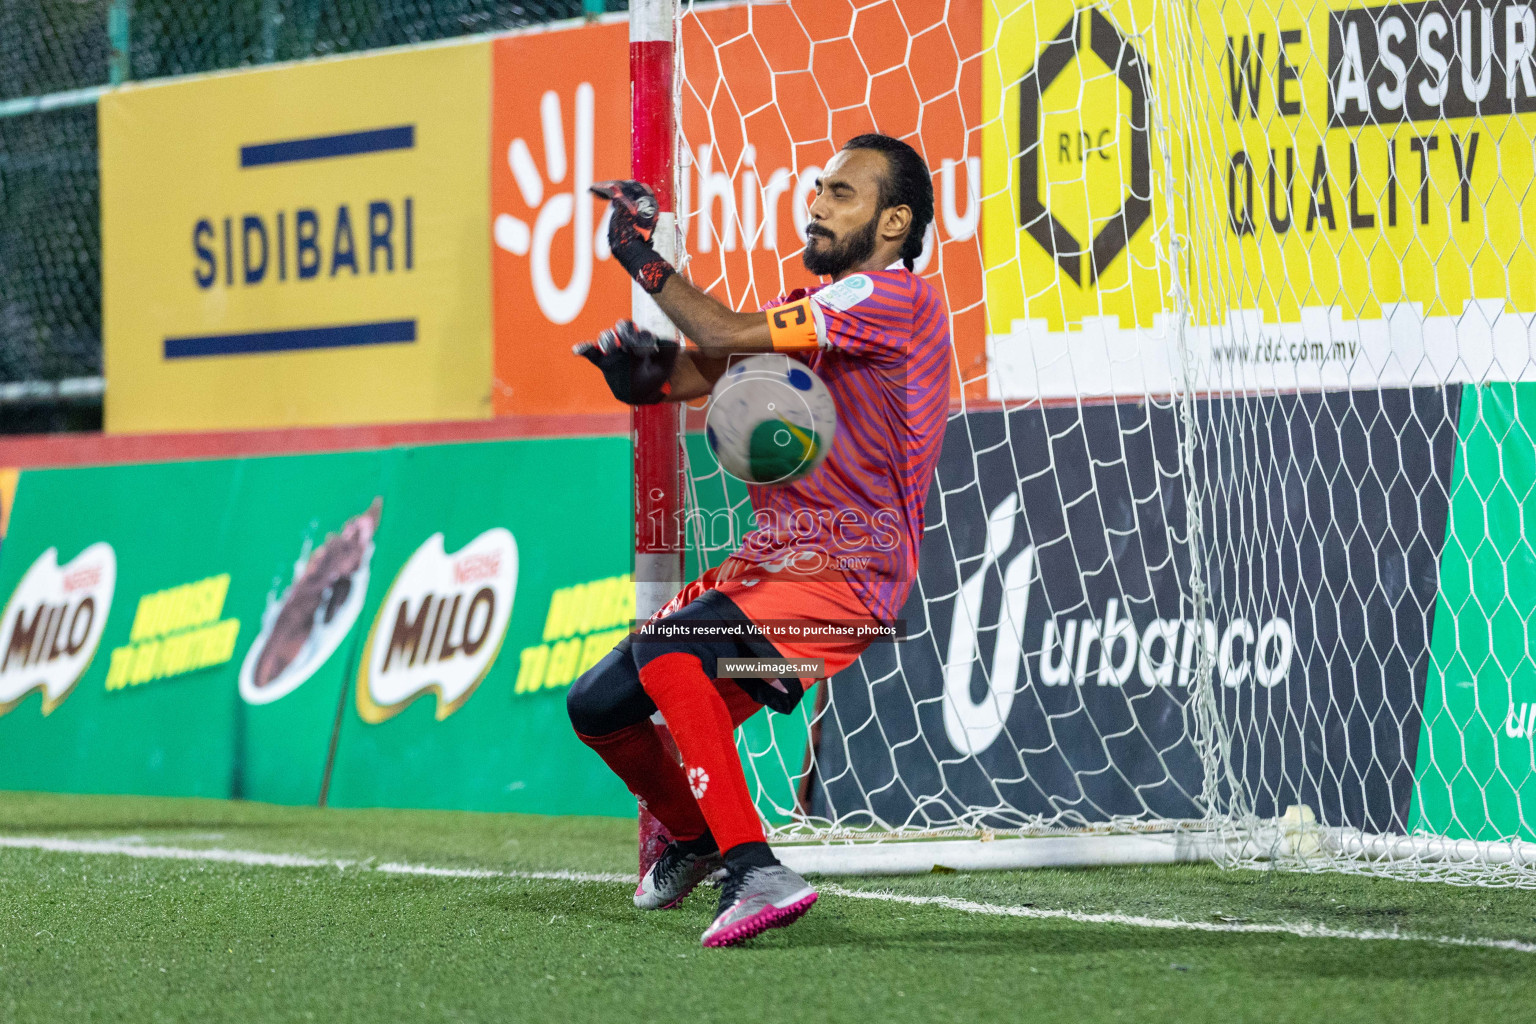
x=608, y=696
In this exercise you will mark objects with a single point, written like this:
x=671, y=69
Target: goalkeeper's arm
x=715, y=328
x=642, y=369
x=694, y=375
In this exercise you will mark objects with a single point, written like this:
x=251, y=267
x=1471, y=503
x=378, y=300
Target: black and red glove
x=635, y=212
x=637, y=364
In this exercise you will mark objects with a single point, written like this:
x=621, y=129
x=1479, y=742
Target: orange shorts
x=804, y=615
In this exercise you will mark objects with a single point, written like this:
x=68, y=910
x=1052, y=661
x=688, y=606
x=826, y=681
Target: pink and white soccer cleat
x=754, y=899
x=673, y=876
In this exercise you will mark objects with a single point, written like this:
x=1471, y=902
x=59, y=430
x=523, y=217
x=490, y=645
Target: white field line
x=251, y=858
x=1304, y=930
x=538, y=876
x=145, y=852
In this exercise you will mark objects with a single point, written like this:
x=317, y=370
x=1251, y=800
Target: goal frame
x=659, y=496
x=656, y=430
x=660, y=486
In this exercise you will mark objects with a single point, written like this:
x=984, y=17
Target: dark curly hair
x=907, y=182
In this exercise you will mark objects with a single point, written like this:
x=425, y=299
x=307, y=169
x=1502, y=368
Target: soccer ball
x=770, y=420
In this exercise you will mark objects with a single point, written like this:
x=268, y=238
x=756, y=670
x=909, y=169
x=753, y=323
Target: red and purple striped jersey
x=883, y=349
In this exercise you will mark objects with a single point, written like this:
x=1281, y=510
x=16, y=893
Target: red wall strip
x=43, y=450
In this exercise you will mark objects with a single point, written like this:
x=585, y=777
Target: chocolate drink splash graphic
x=326, y=581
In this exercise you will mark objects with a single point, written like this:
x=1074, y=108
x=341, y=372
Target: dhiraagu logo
x=553, y=280
x=440, y=626
x=555, y=197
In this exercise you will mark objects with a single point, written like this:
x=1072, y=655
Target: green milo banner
x=1475, y=765
x=459, y=671
x=410, y=617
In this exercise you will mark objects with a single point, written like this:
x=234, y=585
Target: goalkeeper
x=837, y=546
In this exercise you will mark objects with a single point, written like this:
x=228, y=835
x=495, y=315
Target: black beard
x=837, y=258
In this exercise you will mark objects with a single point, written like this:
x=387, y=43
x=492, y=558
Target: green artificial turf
x=87, y=937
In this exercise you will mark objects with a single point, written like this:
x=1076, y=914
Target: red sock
x=737, y=703
x=636, y=755
x=701, y=723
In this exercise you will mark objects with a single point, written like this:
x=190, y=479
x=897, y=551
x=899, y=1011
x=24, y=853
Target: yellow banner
x=1075, y=211
x=1373, y=155
x=1071, y=198
x=299, y=246
x=1271, y=195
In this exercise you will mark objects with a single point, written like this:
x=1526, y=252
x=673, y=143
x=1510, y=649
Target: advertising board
x=1057, y=678
x=390, y=627
x=299, y=245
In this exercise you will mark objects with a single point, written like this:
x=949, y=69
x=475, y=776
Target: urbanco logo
x=1100, y=646
x=53, y=623
x=972, y=727
x=1520, y=723
x=440, y=626
x=554, y=209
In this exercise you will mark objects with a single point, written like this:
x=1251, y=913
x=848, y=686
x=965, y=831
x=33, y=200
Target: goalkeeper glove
x=635, y=212
x=637, y=364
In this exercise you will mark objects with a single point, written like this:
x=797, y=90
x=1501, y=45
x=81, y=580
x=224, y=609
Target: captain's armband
x=797, y=327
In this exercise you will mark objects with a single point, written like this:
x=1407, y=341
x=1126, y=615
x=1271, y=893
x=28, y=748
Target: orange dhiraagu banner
x=559, y=121
x=797, y=81
x=9, y=478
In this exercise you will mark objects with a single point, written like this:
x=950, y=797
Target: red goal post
x=656, y=429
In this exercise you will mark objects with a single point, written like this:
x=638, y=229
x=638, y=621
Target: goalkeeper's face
x=843, y=231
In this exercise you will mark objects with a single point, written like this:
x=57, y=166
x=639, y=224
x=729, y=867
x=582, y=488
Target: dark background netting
x=177, y=37
x=52, y=45
x=50, y=266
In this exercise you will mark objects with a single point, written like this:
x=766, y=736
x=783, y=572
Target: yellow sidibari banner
x=299, y=246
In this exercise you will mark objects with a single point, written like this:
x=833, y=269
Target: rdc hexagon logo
x=1087, y=33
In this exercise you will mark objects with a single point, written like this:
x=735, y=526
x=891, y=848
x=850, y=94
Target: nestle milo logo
x=440, y=626
x=52, y=624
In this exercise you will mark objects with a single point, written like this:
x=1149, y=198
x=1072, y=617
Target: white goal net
x=1229, y=536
